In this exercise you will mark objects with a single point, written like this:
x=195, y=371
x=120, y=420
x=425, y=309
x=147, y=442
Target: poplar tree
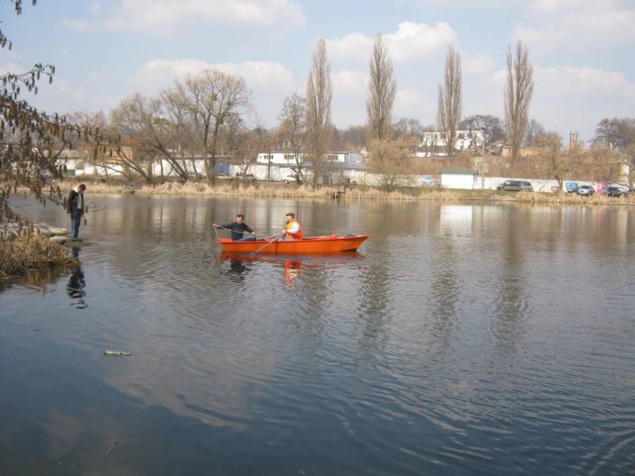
x=382, y=89
x=518, y=93
x=319, y=93
x=450, y=99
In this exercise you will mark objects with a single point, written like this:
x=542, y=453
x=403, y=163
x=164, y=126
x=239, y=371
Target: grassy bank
x=361, y=192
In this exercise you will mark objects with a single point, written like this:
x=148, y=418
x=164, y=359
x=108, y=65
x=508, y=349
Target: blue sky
x=104, y=51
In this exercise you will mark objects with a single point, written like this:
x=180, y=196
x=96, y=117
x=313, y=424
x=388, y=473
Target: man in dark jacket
x=75, y=208
x=240, y=230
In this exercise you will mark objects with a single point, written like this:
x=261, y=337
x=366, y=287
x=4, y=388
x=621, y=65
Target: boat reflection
x=292, y=264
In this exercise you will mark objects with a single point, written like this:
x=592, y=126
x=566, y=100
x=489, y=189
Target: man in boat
x=293, y=230
x=240, y=230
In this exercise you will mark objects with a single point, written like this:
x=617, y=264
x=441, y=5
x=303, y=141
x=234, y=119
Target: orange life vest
x=299, y=235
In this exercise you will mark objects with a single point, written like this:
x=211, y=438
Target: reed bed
x=360, y=192
x=30, y=252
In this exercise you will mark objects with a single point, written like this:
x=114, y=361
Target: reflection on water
x=237, y=269
x=459, y=340
x=75, y=288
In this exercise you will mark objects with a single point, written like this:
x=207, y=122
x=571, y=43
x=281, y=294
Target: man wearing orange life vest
x=293, y=230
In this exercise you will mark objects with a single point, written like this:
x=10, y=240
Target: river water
x=462, y=339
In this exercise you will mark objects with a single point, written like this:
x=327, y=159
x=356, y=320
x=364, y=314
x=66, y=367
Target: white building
x=434, y=144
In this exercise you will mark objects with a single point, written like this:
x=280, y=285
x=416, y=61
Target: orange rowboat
x=316, y=244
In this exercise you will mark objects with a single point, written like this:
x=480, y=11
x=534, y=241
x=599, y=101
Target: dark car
x=585, y=190
x=515, y=186
x=612, y=191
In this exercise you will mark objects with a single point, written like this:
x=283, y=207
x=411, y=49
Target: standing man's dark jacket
x=75, y=204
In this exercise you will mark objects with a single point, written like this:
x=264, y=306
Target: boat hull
x=317, y=244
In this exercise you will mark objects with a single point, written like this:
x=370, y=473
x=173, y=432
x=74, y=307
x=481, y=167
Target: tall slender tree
x=518, y=93
x=450, y=99
x=382, y=89
x=319, y=93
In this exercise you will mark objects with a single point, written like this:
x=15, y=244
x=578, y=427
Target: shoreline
x=274, y=190
x=38, y=255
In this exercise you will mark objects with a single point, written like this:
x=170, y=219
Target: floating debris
x=117, y=353
x=112, y=447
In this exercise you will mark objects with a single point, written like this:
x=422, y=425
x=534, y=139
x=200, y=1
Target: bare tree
x=245, y=144
x=292, y=130
x=489, y=127
x=392, y=160
x=382, y=89
x=319, y=93
x=450, y=99
x=151, y=136
x=408, y=126
x=352, y=138
x=206, y=102
x=551, y=159
x=534, y=133
x=31, y=139
x=518, y=93
x=615, y=133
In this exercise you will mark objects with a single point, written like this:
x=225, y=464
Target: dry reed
x=27, y=252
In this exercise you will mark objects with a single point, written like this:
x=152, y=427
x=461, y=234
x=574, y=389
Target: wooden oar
x=233, y=231
x=275, y=238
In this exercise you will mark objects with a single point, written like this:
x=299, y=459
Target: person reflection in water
x=75, y=288
x=292, y=270
x=237, y=270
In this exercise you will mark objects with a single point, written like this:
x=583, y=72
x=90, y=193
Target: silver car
x=515, y=186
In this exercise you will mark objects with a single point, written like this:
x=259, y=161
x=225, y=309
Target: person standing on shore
x=76, y=208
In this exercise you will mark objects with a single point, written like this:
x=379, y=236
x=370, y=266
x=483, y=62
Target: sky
x=105, y=51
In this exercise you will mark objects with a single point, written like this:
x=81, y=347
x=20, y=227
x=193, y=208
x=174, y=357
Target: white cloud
x=577, y=25
x=413, y=104
x=169, y=16
x=574, y=82
x=353, y=47
x=410, y=42
x=478, y=64
x=349, y=82
x=467, y=4
x=417, y=41
x=257, y=74
x=270, y=82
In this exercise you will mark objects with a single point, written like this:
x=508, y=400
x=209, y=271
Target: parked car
x=570, y=187
x=291, y=179
x=247, y=177
x=429, y=181
x=585, y=190
x=613, y=191
x=515, y=186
